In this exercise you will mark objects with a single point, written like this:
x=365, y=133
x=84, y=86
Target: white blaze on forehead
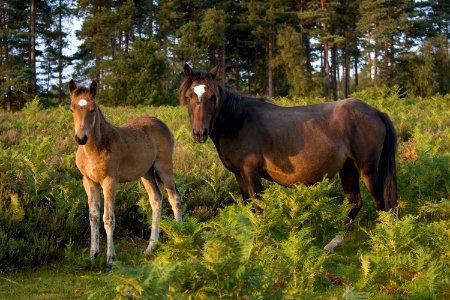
x=199, y=90
x=82, y=102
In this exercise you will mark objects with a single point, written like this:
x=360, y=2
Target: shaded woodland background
x=136, y=48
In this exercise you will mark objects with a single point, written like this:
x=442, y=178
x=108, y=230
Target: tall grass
x=222, y=249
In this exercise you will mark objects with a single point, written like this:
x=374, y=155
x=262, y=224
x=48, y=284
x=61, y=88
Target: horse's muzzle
x=200, y=137
x=81, y=141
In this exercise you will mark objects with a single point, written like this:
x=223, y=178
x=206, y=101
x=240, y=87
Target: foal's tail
x=387, y=168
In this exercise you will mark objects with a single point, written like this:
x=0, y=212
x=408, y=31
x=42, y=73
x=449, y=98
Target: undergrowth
x=222, y=249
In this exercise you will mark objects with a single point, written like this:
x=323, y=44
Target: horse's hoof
x=257, y=210
x=336, y=241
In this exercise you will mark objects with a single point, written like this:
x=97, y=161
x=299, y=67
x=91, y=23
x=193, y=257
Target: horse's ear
x=187, y=70
x=72, y=86
x=93, y=88
x=214, y=71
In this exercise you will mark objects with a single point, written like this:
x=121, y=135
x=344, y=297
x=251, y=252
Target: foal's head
x=200, y=94
x=83, y=110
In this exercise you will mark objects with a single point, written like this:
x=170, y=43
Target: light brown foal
x=108, y=155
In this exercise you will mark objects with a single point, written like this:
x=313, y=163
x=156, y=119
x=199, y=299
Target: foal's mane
x=81, y=90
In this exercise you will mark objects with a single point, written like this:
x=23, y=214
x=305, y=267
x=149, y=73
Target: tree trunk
x=33, y=47
x=386, y=55
x=326, y=84
x=334, y=72
x=8, y=100
x=375, y=64
x=347, y=73
x=223, y=65
x=369, y=60
x=127, y=41
x=356, y=72
x=270, y=89
x=60, y=55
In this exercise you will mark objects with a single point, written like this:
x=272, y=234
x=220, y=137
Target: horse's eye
x=93, y=110
x=71, y=110
x=186, y=99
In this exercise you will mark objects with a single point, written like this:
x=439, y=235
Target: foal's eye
x=186, y=99
x=93, y=110
x=71, y=110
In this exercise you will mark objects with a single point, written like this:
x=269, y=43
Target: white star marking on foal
x=199, y=90
x=82, y=102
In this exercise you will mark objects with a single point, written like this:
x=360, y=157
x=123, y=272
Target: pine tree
x=15, y=51
x=264, y=16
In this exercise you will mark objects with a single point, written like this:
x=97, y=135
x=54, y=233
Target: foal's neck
x=100, y=131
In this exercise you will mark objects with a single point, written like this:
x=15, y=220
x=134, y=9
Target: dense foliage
x=136, y=48
x=222, y=249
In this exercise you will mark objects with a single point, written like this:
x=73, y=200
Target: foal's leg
x=154, y=195
x=350, y=182
x=165, y=173
x=109, y=193
x=93, y=194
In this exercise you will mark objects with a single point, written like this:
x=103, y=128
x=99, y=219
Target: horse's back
x=303, y=143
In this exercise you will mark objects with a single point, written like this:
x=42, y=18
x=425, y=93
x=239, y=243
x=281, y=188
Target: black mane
x=229, y=101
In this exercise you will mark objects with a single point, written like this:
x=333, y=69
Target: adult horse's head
x=83, y=107
x=199, y=92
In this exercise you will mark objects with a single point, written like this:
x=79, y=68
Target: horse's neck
x=229, y=115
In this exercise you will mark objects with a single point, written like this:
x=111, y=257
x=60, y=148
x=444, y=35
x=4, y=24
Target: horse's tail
x=387, y=167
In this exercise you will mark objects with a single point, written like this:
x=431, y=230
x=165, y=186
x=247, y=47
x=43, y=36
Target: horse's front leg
x=251, y=182
x=109, y=193
x=93, y=193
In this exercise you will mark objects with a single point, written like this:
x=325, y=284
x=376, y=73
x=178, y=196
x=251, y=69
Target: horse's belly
x=306, y=169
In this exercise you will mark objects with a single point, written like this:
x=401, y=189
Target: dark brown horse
x=289, y=145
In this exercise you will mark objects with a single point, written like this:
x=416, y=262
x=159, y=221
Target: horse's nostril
x=81, y=141
x=205, y=133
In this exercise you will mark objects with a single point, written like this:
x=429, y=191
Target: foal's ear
x=214, y=71
x=72, y=86
x=93, y=88
x=187, y=70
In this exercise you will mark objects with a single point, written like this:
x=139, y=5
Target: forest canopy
x=136, y=49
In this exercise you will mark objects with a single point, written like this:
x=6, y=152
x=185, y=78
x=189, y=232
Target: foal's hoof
x=93, y=255
x=108, y=268
x=151, y=247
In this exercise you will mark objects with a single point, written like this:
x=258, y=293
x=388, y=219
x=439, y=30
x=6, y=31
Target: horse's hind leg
x=370, y=179
x=154, y=195
x=350, y=182
x=165, y=173
x=94, y=198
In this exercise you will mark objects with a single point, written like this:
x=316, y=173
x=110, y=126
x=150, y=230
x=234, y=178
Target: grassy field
x=222, y=249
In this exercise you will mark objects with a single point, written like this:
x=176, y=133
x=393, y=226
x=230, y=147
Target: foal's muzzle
x=81, y=141
x=200, y=137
